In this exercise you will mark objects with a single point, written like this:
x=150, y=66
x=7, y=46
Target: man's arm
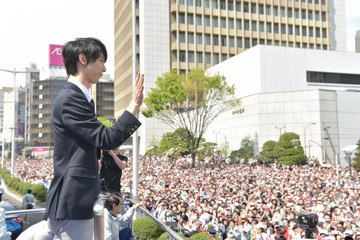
x=119, y=163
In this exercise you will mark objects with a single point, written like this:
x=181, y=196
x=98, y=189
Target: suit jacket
x=77, y=135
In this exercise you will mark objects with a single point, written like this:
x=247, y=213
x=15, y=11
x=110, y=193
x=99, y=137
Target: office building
x=182, y=34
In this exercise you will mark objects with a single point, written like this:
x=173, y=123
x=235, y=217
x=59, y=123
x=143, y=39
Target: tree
x=356, y=159
x=247, y=149
x=289, y=150
x=190, y=102
x=268, y=154
x=173, y=143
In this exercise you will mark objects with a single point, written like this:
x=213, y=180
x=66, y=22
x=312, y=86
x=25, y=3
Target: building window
x=41, y=96
x=215, y=22
x=182, y=56
x=276, y=11
x=254, y=42
x=239, y=42
x=282, y=12
x=216, y=58
x=40, y=135
x=198, y=38
x=231, y=23
x=246, y=7
x=324, y=35
x=290, y=29
x=254, y=26
x=310, y=15
x=207, y=58
x=207, y=3
x=223, y=22
x=246, y=25
x=317, y=16
x=198, y=3
x=181, y=2
x=332, y=78
x=311, y=31
x=304, y=32
x=40, y=115
x=268, y=10
x=190, y=37
x=181, y=18
x=238, y=6
x=268, y=28
x=190, y=57
x=297, y=30
x=222, y=5
x=190, y=19
x=199, y=57
x=215, y=4
x=297, y=13
x=290, y=13
x=323, y=16
x=261, y=27
x=223, y=57
x=253, y=8
x=198, y=20
x=223, y=41
x=181, y=37
x=207, y=39
x=231, y=42
x=41, y=106
x=41, y=87
x=303, y=14
x=283, y=29
x=231, y=6
x=207, y=21
x=261, y=8
x=216, y=40
x=276, y=28
x=40, y=125
x=247, y=43
x=190, y=2
x=238, y=24
x=317, y=32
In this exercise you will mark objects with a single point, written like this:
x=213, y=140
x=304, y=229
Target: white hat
x=348, y=231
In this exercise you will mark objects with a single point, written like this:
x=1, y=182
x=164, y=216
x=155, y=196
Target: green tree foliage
x=356, y=159
x=247, y=149
x=289, y=150
x=105, y=121
x=189, y=102
x=145, y=228
x=174, y=143
x=267, y=154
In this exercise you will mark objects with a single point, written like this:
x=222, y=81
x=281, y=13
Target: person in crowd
x=28, y=202
x=117, y=223
x=111, y=166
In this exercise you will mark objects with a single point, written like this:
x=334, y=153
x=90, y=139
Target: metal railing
x=163, y=226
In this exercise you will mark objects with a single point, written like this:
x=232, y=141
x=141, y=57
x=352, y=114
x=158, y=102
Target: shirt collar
x=86, y=91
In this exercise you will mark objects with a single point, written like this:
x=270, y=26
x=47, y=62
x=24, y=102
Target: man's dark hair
x=92, y=48
x=29, y=191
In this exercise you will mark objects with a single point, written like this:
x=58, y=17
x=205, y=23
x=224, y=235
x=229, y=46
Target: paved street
x=16, y=200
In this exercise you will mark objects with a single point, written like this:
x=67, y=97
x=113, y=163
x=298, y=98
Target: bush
x=165, y=236
x=202, y=236
x=144, y=228
x=39, y=192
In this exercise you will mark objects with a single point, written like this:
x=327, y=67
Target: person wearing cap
x=111, y=166
x=281, y=231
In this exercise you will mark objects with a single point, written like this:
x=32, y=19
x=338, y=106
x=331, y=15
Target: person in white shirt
x=117, y=224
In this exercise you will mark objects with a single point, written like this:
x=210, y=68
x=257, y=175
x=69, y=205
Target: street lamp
x=14, y=72
x=280, y=128
x=313, y=123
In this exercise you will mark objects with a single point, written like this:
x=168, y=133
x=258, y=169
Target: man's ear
x=82, y=59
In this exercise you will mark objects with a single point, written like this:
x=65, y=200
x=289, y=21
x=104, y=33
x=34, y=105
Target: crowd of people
x=240, y=201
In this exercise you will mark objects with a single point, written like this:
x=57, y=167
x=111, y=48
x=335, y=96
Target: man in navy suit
x=77, y=136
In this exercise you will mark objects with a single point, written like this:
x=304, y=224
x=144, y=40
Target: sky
x=27, y=27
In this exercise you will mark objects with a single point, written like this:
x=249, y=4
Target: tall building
x=181, y=34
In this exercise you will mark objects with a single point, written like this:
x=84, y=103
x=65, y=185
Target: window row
x=216, y=40
x=230, y=5
x=232, y=23
x=209, y=58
